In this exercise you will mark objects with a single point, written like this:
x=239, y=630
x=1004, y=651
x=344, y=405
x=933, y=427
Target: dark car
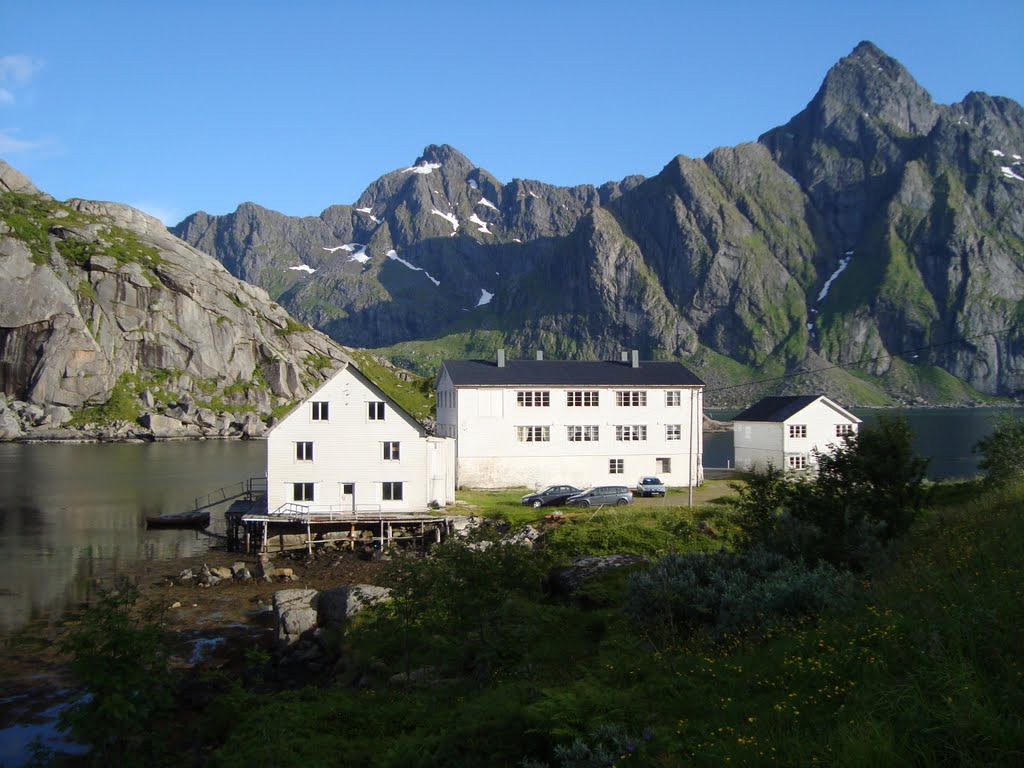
x=619, y=495
x=550, y=496
x=650, y=486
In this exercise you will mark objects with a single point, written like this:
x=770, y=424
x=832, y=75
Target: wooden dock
x=253, y=529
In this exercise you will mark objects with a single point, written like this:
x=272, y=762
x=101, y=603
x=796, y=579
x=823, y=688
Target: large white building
x=538, y=422
x=785, y=432
x=350, y=448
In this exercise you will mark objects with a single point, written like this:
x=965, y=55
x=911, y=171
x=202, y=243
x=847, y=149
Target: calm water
x=945, y=435
x=68, y=512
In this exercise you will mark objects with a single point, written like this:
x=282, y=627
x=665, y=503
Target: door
x=348, y=497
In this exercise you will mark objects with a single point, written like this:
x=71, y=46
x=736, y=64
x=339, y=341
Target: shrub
x=725, y=592
x=120, y=658
x=1002, y=452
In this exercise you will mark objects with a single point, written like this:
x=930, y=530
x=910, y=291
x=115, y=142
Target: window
x=673, y=432
x=391, y=451
x=616, y=466
x=302, y=491
x=844, y=429
x=391, y=492
x=584, y=434
x=531, y=399
x=303, y=451
x=631, y=432
x=375, y=410
x=320, y=410
x=797, y=462
x=583, y=398
x=533, y=434
x=673, y=397
x=798, y=430
x=631, y=398
x=664, y=466
x=348, y=489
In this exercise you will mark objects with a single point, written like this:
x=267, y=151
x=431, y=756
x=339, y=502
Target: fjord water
x=944, y=435
x=69, y=512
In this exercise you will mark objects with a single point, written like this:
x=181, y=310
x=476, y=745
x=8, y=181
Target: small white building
x=785, y=431
x=539, y=422
x=350, y=448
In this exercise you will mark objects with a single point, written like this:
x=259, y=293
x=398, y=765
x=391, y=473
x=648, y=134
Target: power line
x=862, y=361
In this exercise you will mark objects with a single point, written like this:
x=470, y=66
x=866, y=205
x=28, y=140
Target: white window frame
x=303, y=491
x=673, y=431
x=388, y=488
x=616, y=466
x=673, y=398
x=533, y=434
x=533, y=398
x=630, y=433
x=664, y=466
x=391, y=450
x=304, y=450
x=845, y=429
x=375, y=410
x=797, y=461
x=320, y=410
x=583, y=398
x=631, y=398
x=584, y=433
x=797, y=431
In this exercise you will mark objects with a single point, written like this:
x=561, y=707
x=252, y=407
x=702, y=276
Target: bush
x=120, y=658
x=725, y=592
x=1002, y=452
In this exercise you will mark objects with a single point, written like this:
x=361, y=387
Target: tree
x=1002, y=452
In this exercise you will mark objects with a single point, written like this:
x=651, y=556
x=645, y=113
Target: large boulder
x=336, y=606
x=294, y=614
x=10, y=425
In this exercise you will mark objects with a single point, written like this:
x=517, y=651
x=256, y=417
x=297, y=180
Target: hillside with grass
x=862, y=618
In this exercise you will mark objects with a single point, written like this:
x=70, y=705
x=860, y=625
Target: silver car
x=650, y=486
x=619, y=495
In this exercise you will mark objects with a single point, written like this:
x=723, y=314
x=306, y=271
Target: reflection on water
x=944, y=435
x=68, y=512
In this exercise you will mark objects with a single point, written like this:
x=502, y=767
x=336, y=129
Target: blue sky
x=186, y=106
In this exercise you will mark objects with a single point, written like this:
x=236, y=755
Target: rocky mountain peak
x=449, y=158
x=877, y=86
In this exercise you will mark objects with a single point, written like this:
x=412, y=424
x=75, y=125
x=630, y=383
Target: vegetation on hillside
x=883, y=634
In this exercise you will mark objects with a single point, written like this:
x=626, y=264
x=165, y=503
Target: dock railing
x=251, y=488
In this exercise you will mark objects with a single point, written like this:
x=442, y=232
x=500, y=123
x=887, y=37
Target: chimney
x=625, y=356
x=636, y=358
x=501, y=358
x=540, y=354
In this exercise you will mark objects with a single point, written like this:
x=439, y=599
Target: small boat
x=197, y=519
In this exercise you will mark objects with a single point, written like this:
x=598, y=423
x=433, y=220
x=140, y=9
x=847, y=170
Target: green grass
x=415, y=396
x=925, y=669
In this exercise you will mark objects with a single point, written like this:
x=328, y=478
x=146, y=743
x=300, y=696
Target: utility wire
x=862, y=361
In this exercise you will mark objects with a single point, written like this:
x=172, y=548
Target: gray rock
x=336, y=606
x=10, y=425
x=222, y=573
x=252, y=426
x=161, y=426
x=570, y=579
x=294, y=614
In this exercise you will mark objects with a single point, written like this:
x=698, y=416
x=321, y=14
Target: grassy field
x=923, y=666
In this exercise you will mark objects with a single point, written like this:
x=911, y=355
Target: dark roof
x=530, y=373
x=775, y=408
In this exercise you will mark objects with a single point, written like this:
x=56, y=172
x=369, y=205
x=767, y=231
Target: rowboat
x=199, y=519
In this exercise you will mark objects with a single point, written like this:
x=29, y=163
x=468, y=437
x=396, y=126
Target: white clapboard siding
x=348, y=449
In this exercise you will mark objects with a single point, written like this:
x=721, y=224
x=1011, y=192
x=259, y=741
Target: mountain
x=112, y=327
x=875, y=226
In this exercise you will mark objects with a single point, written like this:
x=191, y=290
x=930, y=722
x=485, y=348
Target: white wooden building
x=785, y=431
x=350, y=448
x=538, y=422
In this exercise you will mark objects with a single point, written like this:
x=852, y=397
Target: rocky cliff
x=875, y=226
x=110, y=326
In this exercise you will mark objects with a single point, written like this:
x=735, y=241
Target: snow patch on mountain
x=449, y=217
x=423, y=168
x=485, y=297
x=481, y=224
x=488, y=203
x=303, y=268
x=367, y=211
x=1010, y=173
x=843, y=264
x=393, y=254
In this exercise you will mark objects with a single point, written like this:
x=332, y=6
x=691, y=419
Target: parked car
x=619, y=495
x=650, y=486
x=551, y=496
